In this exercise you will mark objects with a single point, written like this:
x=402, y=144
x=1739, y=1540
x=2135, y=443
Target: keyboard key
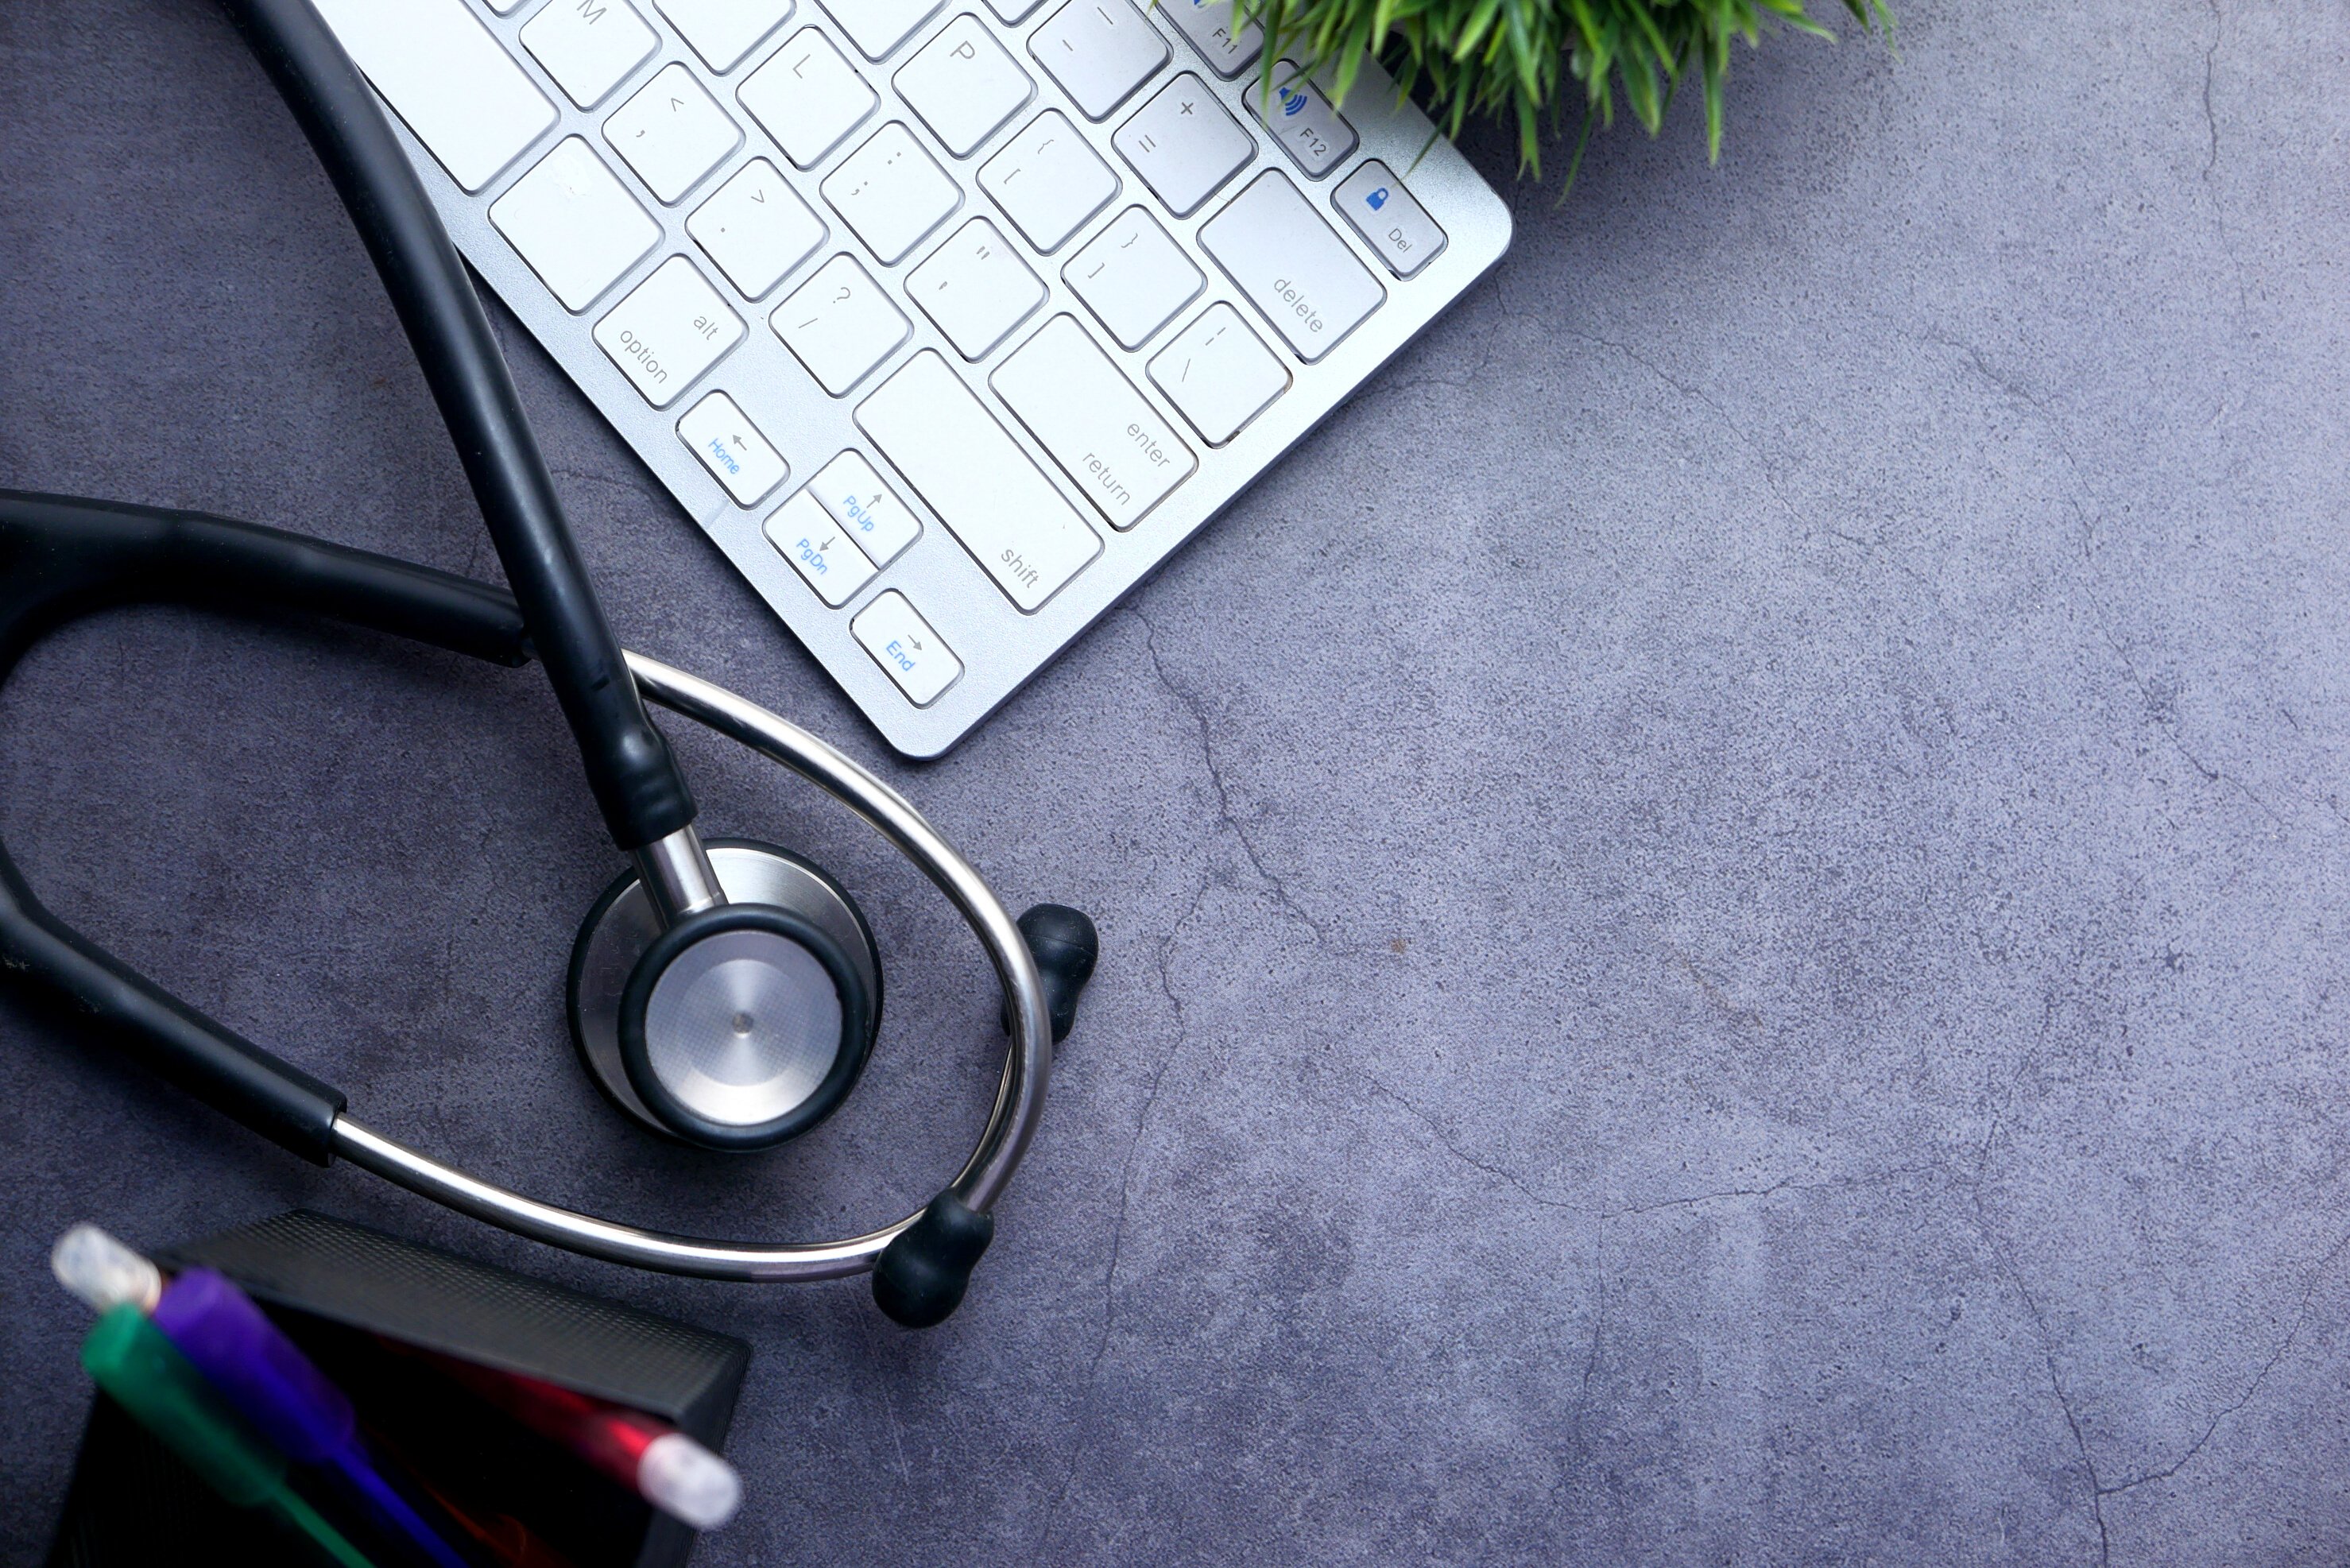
x=902, y=643
x=973, y=475
x=757, y=228
x=1293, y=267
x=1133, y=277
x=1048, y=181
x=723, y=31
x=1316, y=138
x=881, y=524
x=892, y=193
x=1099, y=51
x=732, y=449
x=1084, y=411
x=444, y=74
x=976, y=288
x=672, y=133
x=963, y=86
x=878, y=26
x=807, y=98
x=575, y=224
x=820, y=549
x=1184, y=145
x=588, y=46
x=1207, y=26
x=1219, y=375
x=1393, y=225
x=1011, y=11
x=840, y=325
x=669, y=330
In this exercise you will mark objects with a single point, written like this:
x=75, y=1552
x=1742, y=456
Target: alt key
x=1378, y=207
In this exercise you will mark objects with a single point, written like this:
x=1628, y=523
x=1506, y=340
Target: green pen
x=147, y=1375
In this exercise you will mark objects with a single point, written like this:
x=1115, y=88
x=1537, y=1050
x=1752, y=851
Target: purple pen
x=252, y=1364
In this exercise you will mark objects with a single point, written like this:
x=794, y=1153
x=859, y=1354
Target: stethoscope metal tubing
x=1019, y=1095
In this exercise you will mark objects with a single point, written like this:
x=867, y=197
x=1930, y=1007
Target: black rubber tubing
x=62, y=558
x=637, y=784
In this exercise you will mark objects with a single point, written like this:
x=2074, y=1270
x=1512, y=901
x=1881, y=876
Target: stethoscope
x=726, y=993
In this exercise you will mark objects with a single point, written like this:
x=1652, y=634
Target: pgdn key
x=1088, y=416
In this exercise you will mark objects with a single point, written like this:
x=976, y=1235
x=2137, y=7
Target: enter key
x=1087, y=416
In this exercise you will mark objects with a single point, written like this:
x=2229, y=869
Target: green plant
x=1509, y=60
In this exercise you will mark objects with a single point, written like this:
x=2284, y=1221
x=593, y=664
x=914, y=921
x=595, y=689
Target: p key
x=963, y=86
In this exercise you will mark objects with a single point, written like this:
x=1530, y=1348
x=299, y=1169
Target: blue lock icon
x=1377, y=199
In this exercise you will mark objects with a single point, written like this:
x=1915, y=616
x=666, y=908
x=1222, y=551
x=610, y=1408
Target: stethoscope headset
x=724, y=993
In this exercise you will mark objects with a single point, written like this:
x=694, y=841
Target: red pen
x=647, y=1455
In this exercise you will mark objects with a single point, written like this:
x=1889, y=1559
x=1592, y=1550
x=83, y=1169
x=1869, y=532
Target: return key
x=1109, y=442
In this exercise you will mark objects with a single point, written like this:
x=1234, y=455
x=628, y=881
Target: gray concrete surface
x=1724, y=902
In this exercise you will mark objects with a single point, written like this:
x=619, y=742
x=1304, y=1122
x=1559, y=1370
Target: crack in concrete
x=2210, y=119
x=1600, y=1214
x=1714, y=994
x=1125, y=1195
x=1225, y=817
x=1733, y=426
x=1872, y=549
x=2211, y=160
x=659, y=500
x=2168, y=724
x=1786, y=1184
x=1598, y=1327
x=2301, y=1317
x=2099, y=1489
x=1500, y=1173
x=2006, y=1258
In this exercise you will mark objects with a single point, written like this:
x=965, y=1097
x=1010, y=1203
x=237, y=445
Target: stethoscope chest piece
x=738, y=1027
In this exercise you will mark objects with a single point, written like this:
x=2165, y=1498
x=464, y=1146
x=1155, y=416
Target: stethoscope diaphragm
x=747, y=1032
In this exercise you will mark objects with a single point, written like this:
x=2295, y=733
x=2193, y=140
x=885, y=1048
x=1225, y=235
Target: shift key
x=1088, y=417
x=1293, y=266
x=970, y=471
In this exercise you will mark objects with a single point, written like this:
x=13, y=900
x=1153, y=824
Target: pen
x=501, y=1535
x=137, y=1366
x=649, y=1457
x=259, y=1372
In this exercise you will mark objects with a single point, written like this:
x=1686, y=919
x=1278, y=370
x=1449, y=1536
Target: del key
x=1293, y=266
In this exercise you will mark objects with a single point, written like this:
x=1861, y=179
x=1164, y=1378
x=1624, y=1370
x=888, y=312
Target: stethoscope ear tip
x=1066, y=947
x=921, y=1276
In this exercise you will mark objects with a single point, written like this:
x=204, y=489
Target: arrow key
x=902, y=643
x=731, y=447
x=820, y=549
x=879, y=523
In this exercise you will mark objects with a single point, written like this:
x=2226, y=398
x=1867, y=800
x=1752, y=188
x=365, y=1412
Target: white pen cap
x=104, y=1273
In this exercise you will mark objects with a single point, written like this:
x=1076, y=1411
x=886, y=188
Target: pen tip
x=104, y=1273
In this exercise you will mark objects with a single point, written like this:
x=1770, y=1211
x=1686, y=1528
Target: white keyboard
x=947, y=321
